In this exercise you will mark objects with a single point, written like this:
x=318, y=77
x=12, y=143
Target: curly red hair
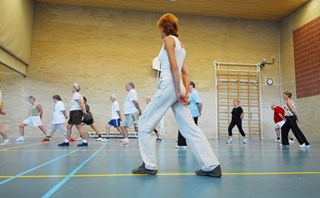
x=169, y=23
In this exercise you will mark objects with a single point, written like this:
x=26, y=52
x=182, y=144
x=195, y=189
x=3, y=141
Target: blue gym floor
x=258, y=169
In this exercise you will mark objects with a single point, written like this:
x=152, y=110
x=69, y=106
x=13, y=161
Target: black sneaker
x=64, y=144
x=216, y=172
x=142, y=170
x=83, y=144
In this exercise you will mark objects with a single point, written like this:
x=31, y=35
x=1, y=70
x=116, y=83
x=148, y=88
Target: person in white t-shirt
x=34, y=118
x=59, y=117
x=115, y=118
x=3, y=131
x=75, y=118
x=131, y=112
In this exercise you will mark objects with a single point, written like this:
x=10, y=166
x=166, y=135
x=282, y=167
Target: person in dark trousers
x=236, y=119
x=291, y=118
x=195, y=106
x=278, y=118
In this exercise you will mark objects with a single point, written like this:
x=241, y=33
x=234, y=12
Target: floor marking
x=272, y=173
x=15, y=147
x=34, y=168
x=159, y=174
x=71, y=174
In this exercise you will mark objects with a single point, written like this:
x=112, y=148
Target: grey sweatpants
x=54, y=127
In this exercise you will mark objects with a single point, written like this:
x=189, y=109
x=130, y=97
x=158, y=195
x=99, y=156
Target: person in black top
x=88, y=118
x=236, y=119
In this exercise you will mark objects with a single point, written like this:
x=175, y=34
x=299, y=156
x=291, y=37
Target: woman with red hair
x=172, y=93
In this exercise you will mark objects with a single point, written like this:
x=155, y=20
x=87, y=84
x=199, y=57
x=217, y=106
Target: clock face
x=270, y=81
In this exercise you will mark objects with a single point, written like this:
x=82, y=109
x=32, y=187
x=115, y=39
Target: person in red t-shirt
x=279, y=119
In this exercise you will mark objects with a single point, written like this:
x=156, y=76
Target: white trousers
x=165, y=98
x=161, y=124
x=54, y=127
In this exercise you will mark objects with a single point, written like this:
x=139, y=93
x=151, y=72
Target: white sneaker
x=79, y=139
x=5, y=143
x=20, y=139
x=245, y=140
x=304, y=146
x=99, y=139
x=291, y=141
x=277, y=140
x=105, y=140
x=181, y=147
x=229, y=141
x=125, y=141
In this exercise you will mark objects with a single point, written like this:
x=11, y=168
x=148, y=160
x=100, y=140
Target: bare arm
x=83, y=107
x=136, y=104
x=64, y=113
x=1, y=109
x=40, y=111
x=186, y=83
x=169, y=45
x=242, y=116
x=200, y=107
x=280, y=115
x=289, y=104
x=119, y=115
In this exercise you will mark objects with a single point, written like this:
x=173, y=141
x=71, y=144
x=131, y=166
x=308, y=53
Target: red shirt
x=278, y=110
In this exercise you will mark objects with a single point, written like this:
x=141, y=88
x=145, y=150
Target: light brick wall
x=102, y=49
x=307, y=107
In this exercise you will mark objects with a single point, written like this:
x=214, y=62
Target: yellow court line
x=53, y=150
x=272, y=173
x=9, y=148
x=162, y=174
x=16, y=147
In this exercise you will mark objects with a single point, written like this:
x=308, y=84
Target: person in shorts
x=3, y=131
x=88, y=118
x=115, y=118
x=278, y=118
x=131, y=111
x=75, y=117
x=33, y=120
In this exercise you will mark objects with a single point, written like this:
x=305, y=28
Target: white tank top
x=164, y=59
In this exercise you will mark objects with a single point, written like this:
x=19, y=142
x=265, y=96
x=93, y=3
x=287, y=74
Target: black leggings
x=181, y=140
x=291, y=123
x=239, y=125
